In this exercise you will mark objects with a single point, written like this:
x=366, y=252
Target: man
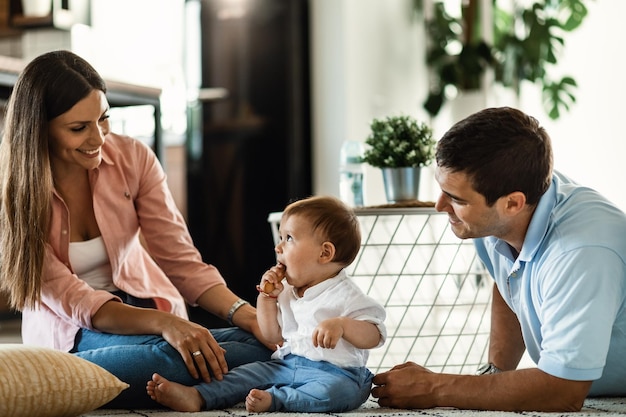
x=557, y=253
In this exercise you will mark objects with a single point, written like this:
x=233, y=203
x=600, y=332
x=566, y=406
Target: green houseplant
x=527, y=40
x=400, y=146
x=398, y=142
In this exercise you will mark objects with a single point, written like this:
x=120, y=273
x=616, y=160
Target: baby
x=321, y=322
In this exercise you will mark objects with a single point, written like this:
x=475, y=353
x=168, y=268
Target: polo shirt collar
x=536, y=232
x=539, y=223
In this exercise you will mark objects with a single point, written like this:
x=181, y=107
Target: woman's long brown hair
x=49, y=86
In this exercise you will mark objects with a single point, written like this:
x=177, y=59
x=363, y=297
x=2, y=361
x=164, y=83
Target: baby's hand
x=270, y=284
x=328, y=333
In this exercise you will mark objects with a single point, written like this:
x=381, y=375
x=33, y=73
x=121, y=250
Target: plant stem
x=469, y=19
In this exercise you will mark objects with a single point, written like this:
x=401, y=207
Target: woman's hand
x=185, y=336
x=198, y=348
x=219, y=299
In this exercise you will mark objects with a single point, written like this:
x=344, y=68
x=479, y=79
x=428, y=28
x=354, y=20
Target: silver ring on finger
x=197, y=353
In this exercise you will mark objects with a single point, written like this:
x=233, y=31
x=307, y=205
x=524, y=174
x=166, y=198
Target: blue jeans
x=297, y=384
x=133, y=359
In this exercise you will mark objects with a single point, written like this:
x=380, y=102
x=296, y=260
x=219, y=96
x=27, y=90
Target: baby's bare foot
x=258, y=401
x=174, y=395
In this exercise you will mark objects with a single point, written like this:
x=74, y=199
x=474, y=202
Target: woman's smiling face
x=77, y=136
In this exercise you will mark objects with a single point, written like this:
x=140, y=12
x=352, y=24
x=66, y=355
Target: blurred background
x=255, y=97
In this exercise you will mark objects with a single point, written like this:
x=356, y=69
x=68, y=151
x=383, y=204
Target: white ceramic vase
x=401, y=184
x=36, y=8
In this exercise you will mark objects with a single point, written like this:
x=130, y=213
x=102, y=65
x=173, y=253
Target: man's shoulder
x=584, y=208
x=583, y=218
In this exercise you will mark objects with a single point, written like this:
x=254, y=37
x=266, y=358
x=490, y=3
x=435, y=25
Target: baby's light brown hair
x=334, y=221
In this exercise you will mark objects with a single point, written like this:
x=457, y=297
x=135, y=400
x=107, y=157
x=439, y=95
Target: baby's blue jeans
x=296, y=384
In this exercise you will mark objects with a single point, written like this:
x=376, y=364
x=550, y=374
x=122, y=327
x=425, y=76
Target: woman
x=75, y=200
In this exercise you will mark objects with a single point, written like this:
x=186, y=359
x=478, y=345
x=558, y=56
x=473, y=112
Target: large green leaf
x=558, y=96
x=528, y=41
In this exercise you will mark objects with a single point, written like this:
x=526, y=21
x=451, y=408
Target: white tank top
x=90, y=262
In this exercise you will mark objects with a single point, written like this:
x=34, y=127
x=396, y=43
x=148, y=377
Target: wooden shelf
x=24, y=22
x=62, y=16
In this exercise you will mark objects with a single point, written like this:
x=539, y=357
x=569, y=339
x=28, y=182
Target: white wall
x=368, y=62
x=589, y=142
x=367, y=59
x=140, y=41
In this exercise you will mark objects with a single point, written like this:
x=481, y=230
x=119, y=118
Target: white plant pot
x=401, y=184
x=467, y=103
x=36, y=8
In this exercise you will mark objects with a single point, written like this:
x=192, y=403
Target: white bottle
x=351, y=173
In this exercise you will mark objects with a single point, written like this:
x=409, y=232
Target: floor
x=600, y=407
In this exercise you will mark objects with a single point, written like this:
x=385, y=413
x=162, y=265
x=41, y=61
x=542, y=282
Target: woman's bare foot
x=258, y=401
x=174, y=395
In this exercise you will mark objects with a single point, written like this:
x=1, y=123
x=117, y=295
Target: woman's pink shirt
x=130, y=195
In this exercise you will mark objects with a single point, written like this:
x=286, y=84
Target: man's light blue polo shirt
x=568, y=285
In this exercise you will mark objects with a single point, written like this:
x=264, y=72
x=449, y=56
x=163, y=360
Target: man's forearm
x=506, y=345
x=522, y=390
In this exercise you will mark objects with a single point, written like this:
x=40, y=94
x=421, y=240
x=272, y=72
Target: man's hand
x=412, y=386
x=405, y=386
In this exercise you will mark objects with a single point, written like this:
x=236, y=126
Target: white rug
x=600, y=407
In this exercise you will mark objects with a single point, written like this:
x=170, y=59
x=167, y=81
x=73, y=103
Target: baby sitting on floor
x=321, y=322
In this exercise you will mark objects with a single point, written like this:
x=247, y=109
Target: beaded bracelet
x=236, y=306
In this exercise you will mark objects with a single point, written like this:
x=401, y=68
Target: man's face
x=468, y=212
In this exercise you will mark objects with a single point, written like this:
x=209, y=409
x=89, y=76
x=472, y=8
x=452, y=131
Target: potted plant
x=527, y=39
x=400, y=146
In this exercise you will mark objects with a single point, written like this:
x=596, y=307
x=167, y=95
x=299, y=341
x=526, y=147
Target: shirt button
x=63, y=232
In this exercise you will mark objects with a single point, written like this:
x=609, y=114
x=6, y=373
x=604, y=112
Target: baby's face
x=299, y=250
